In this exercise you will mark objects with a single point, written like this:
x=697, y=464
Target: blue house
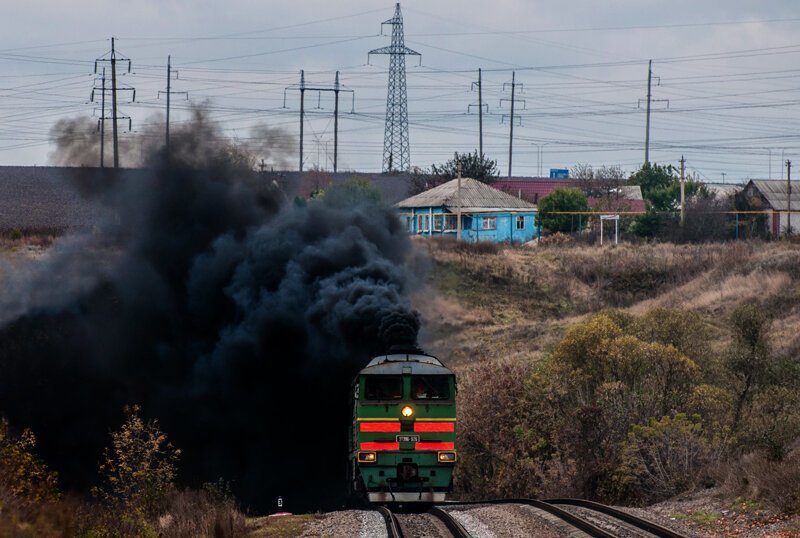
x=487, y=214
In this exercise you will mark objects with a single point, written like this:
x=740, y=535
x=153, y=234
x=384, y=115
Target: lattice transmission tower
x=396, y=150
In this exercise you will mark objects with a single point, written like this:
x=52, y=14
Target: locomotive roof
x=399, y=363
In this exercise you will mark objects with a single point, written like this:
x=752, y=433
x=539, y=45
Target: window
x=437, y=223
x=430, y=387
x=383, y=387
x=520, y=222
x=489, y=223
x=450, y=222
x=423, y=223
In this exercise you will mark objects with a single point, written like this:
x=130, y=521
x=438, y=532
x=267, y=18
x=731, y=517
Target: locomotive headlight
x=407, y=411
x=367, y=457
x=447, y=457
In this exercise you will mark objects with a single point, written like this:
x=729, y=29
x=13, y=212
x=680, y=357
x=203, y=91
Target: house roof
x=629, y=197
x=776, y=193
x=476, y=197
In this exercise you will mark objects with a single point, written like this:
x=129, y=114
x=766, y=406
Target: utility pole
x=168, y=93
x=336, y=89
x=513, y=85
x=113, y=59
x=458, y=206
x=479, y=85
x=650, y=100
x=683, y=194
x=789, y=197
x=647, y=127
x=101, y=123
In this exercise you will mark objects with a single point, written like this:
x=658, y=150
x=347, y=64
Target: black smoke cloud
x=235, y=319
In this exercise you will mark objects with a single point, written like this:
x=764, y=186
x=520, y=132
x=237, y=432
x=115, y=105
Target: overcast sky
x=729, y=69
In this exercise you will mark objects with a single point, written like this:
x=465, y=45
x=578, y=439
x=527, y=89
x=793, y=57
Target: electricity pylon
x=396, y=150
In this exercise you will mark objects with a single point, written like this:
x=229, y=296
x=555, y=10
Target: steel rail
x=455, y=528
x=579, y=523
x=393, y=528
x=638, y=522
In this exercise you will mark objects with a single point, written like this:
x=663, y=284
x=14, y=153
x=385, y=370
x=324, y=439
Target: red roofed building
x=625, y=198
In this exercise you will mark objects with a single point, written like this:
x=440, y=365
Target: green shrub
x=663, y=458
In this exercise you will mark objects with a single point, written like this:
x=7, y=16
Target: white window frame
x=423, y=223
x=488, y=223
x=450, y=222
x=520, y=222
x=438, y=221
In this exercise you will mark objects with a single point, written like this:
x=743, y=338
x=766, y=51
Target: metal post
x=601, y=231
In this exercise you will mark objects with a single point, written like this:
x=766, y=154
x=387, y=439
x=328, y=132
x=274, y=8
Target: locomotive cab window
x=383, y=387
x=430, y=387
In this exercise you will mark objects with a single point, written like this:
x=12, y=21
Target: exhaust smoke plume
x=236, y=320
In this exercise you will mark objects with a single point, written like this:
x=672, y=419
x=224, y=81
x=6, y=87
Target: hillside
x=611, y=373
x=490, y=303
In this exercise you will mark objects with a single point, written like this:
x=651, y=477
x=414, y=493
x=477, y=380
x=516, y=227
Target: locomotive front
x=404, y=429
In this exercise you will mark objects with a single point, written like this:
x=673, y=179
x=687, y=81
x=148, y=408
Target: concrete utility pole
x=647, y=125
x=788, y=197
x=101, y=123
x=336, y=89
x=649, y=100
x=513, y=85
x=479, y=85
x=683, y=194
x=458, y=205
x=168, y=93
x=112, y=59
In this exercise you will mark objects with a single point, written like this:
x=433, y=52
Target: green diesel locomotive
x=403, y=435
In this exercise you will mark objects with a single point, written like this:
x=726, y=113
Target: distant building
x=772, y=195
x=623, y=198
x=487, y=214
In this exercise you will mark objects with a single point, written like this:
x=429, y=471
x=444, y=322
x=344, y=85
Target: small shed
x=776, y=198
x=487, y=214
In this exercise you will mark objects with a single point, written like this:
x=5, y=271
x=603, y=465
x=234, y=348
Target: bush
x=204, y=513
x=754, y=476
x=663, y=458
x=139, y=468
x=562, y=200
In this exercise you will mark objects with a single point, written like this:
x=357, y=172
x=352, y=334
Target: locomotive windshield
x=383, y=387
x=430, y=387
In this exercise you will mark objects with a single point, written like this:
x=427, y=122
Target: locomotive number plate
x=408, y=438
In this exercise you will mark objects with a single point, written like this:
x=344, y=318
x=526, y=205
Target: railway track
x=395, y=527
x=553, y=507
x=652, y=529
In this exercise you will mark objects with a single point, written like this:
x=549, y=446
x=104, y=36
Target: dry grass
x=517, y=301
x=278, y=526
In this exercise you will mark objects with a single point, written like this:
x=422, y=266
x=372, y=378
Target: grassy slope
x=518, y=301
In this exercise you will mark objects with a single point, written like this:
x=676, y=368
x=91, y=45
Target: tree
x=355, y=191
x=661, y=187
x=139, y=467
x=748, y=357
x=558, y=201
x=472, y=165
x=602, y=183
